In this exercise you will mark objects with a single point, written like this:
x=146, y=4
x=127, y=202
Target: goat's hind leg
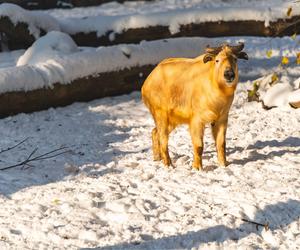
x=155, y=145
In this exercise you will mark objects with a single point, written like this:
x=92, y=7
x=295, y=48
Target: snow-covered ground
x=107, y=192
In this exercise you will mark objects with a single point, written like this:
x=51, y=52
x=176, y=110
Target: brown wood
x=50, y=4
x=295, y=105
x=80, y=90
x=281, y=27
x=18, y=35
x=86, y=3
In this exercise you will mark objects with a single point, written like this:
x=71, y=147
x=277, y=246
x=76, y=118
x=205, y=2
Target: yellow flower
x=294, y=36
x=274, y=78
x=56, y=201
x=298, y=58
x=284, y=60
x=269, y=53
x=289, y=11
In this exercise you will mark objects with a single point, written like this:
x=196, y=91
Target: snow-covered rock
x=277, y=95
x=119, y=198
x=277, y=91
x=294, y=98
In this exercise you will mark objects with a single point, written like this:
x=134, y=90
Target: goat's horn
x=237, y=48
x=213, y=50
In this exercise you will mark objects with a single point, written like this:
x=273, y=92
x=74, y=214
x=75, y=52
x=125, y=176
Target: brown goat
x=195, y=92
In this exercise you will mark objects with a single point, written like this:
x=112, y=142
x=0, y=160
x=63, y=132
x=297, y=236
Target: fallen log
x=50, y=4
x=80, y=90
x=19, y=37
x=20, y=28
x=86, y=3
x=281, y=27
x=23, y=28
x=16, y=36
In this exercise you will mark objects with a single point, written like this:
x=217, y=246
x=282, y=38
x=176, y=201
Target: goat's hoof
x=156, y=158
x=167, y=162
x=197, y=167
x=223, y=164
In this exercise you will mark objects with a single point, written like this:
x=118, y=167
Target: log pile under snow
x=22, y=27
x=49, y=4
x=54, y=71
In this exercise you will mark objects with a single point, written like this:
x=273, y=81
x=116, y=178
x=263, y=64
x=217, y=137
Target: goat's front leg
x=163, y=134
x=219, y=132
x=197, y=131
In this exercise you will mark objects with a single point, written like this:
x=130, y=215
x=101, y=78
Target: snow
x=294, y=96
x=143, y=7
x=277, y=95
x=52, y=46
x=280, y=91
x=107, y=192
x=55, y=63
x=9, y=59
x=172, y=18
x=63, y=67
x=36, y=21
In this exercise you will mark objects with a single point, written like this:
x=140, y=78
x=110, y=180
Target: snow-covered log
x=22, y=27
x=49, y=4
x=17, y=36
x=132, y=28
x=79, y=90
x=55, y=72
x=281, y=27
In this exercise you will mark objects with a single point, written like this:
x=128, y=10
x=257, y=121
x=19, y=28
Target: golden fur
x=190, y=91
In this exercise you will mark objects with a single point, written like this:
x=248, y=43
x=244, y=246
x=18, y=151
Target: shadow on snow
x=278, y=215
x=94, y=148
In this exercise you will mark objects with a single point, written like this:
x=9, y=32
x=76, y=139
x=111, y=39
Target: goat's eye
x=217, y=61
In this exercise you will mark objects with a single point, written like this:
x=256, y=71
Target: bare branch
x=257, y=224
x=44, y=156
x=10, y=148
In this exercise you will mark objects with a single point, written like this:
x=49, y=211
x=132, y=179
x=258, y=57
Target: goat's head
x=225, y=62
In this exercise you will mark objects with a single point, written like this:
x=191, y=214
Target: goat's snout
x=229, y=75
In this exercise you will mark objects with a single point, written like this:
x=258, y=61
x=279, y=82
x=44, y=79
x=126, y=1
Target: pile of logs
x=17, y=36
x=49, y=4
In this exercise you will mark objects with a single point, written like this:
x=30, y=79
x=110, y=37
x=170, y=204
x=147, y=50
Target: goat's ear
x=242, y=55
x=207, y=58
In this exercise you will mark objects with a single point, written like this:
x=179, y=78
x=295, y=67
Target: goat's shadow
x=277, y=216
x=292, y=142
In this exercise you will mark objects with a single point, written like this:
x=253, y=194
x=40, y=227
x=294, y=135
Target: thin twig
x=52, y=156
x=10, y=148
x=257, y=224
x=28, y=158
x=44, y=156
x=49, y=153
